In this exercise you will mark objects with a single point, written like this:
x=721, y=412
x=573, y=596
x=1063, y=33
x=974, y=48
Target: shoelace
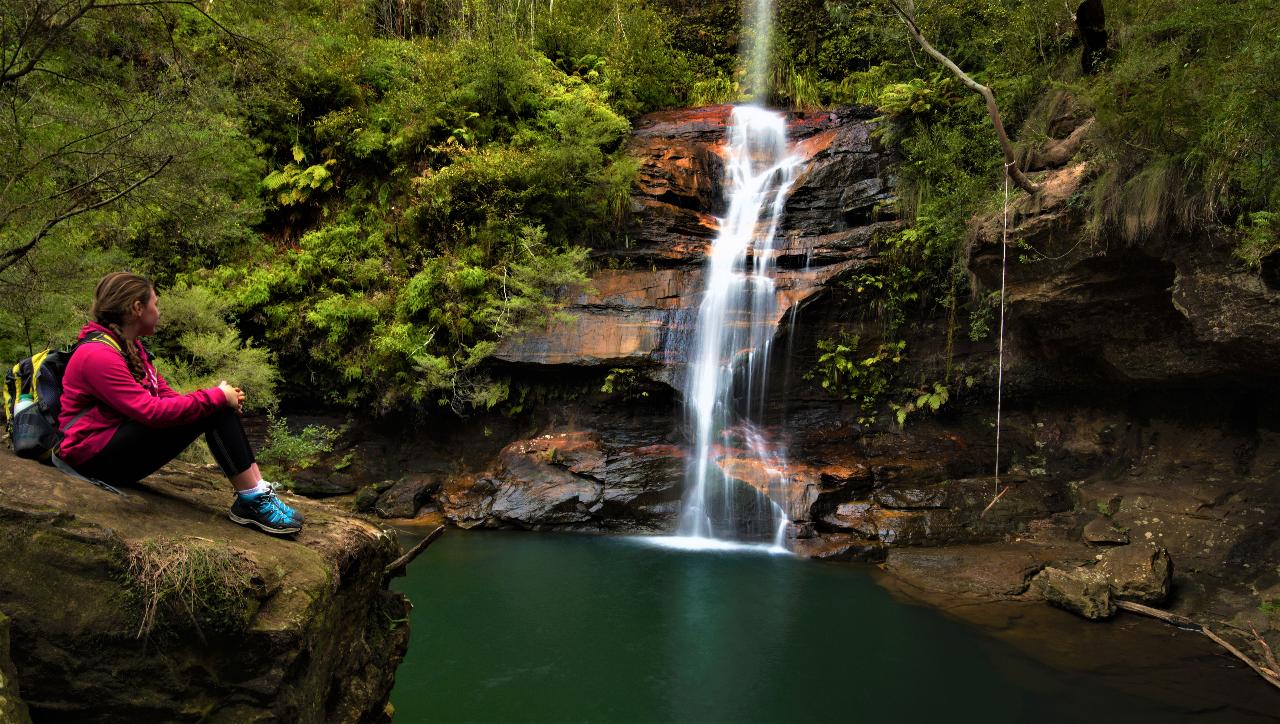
x=270, y=505
x=280, y=504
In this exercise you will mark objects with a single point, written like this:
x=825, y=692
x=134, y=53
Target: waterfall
x=727, y=376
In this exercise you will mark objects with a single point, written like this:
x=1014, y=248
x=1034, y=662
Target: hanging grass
x=191, y=583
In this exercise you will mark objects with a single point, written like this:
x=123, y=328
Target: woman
x=121, y=421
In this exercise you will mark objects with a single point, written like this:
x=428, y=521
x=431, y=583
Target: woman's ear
x=136, y=308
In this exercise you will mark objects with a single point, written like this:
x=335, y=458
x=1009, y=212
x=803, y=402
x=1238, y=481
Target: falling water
x=725, y=390
x=758, y=50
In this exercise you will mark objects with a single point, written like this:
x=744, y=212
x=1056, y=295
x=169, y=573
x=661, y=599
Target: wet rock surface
x=12, y=708
x=307, y=639
x=1102, y=531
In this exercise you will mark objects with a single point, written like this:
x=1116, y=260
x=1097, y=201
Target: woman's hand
x=234, y=395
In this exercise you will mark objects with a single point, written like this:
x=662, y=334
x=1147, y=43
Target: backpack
x=33, y=431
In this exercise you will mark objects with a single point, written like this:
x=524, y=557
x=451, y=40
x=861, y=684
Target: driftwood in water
x=398, y=567
x=1270, y=674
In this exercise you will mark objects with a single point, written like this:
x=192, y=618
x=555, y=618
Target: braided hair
x=112, y=302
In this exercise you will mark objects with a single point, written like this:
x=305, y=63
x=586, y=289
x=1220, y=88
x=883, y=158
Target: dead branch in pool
x=906, y=11
x=1272, y=676
x=1266, y=650
x=398, y=567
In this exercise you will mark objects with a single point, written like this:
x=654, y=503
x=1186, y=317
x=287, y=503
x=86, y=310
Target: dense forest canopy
x=351, y=202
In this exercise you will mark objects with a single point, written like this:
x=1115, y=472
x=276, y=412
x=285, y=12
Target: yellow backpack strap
x=36, y=361
x=108, y=340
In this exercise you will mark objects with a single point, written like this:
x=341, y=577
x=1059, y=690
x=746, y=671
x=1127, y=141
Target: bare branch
x=12, y=256
x=1011, y=165
x=10, y=71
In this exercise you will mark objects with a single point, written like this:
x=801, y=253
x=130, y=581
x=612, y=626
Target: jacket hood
x=92, y=327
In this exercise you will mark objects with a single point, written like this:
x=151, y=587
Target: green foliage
x=623, y=381
x=286, y=453
x=1270, y=607
x=928, y=398
x=196, y=347
x=1259, y=237
x=1185, y=130
x=295, y=184
x=866, y=380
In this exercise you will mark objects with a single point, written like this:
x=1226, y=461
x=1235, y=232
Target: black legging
x=136, y=451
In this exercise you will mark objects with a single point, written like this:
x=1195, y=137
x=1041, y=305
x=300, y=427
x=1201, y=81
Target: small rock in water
x=1082, y=590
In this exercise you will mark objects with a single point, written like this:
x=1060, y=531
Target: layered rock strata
x=639, y=305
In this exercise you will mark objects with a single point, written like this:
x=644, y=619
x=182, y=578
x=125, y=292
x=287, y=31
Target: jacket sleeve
x=106, y=375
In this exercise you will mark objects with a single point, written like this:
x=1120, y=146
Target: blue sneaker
x=265, y=511
x=271, y=488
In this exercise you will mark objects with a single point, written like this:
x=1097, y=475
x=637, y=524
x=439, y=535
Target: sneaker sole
x=265, y=529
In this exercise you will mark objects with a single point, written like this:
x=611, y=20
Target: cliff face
x=638, y=309
x=158, y=608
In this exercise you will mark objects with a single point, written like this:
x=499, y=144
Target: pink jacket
x=98, y=380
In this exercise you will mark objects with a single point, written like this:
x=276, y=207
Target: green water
x=537, y=627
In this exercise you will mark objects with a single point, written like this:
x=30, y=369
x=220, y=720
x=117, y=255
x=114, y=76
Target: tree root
x=1272, y=675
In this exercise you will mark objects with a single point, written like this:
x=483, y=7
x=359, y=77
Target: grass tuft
x=194, y=581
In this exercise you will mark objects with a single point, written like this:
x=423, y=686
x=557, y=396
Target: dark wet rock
x=307, y=640
x=368, y=496
x=1102, y=531
x=905, y=497
x=322, y=482
x=949, y=512
x=1140, y=572
x=403, y=499
x=1082, y=590
x=839, y=547
x=569, y=480
x=986, y=571
x=12, y=708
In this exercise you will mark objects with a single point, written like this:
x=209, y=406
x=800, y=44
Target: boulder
x=368, y=496
x=1102, y=531
x=1140, y=572
x=322, y=482
x=299, y=633
x=403, y=499
x=1082, y=590
x=570, y=480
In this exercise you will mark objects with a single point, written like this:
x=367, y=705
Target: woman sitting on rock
x=122, y=421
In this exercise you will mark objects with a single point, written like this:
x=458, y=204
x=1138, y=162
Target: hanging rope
x=1004, y=264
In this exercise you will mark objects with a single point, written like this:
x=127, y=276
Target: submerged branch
x=398, y=566
x=1272, y=677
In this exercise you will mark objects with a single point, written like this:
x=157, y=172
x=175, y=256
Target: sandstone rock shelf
x=313, y=635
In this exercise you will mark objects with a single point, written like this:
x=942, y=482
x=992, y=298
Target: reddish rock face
x=638, y=309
